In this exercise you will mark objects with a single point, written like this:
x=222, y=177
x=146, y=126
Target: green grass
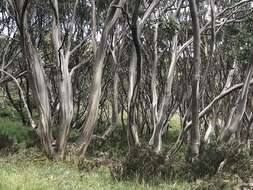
x=21, y=174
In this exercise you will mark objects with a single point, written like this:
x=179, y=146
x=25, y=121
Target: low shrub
x=5, y=141
x=144, y=165
x=141, y=164
x=240, y=163
x=17, y=133
x=208, y=162
x=7, y=112
x=115, y=145
x=220, y=181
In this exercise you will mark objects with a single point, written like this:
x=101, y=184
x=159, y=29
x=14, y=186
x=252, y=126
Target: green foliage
x=169, y=26
x=73, y=135
x=17, y=133
x=175, y=122
x=14, y=130
x=239, y=36
x=6, y=112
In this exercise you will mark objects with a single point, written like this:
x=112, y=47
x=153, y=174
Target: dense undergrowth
x=144, y=165
x=109, y=161
x=15, y=136
x=30, y=170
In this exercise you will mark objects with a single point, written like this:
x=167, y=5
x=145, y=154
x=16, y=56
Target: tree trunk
x=64, y=79
x=115, y=108
x=159, y=113
x=195, y=134
x=238, y=110
x=213, y=124
x=89, y=125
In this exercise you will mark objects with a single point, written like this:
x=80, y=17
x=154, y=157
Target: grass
x=18, y=173
x=29, y=170
x=22, y=172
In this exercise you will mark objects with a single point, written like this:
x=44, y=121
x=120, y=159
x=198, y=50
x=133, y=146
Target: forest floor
x=19, y=172
x=23, y=168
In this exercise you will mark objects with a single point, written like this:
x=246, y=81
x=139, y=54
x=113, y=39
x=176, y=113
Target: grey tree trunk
x=159, y=112
x=115, y=109
x=113, y=14
x=65, y=83
x=40, y=88
x=238, y=110
x=211, y=128
x=132, y=131
x=39, y=83
x=135, y=71
x=195, y=134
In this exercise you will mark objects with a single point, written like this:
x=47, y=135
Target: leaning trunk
x=84, y=140
x=238, y=110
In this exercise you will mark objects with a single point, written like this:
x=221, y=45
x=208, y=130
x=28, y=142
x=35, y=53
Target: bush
x=18, y=133
x=240, y=163
x=174, y=130
x=219, y=181
x=115, y=145
x=210, y=157
x=6, y=112
x=144, y=165
x=173, y=134
x=141, y=164
x=5, y=141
